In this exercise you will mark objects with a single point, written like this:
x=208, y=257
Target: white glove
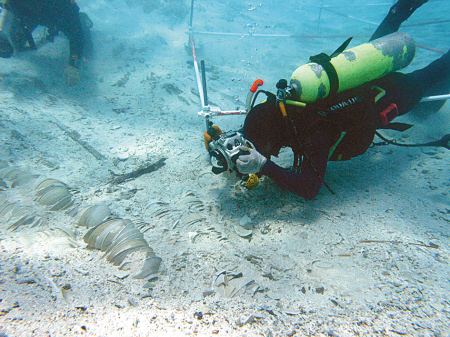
x=250, y=163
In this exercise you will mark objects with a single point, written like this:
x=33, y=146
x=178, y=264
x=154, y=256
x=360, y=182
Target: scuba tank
x=327, y=75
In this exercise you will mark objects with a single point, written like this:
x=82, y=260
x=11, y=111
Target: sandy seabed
x=371, y=260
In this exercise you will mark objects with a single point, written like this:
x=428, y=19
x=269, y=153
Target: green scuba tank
x=352, y=67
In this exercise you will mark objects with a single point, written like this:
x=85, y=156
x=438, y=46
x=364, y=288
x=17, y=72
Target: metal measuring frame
x=207, y=111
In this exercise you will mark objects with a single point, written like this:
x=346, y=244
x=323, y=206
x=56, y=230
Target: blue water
x=379, y=247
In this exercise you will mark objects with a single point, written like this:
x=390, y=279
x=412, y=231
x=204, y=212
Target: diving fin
x=397, y=126
x=443, y=142
x=341, y=48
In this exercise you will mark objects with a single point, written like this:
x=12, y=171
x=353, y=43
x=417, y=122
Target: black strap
x=325, y=61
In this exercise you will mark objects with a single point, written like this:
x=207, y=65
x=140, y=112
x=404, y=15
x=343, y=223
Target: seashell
x=192, y=219
x=13, y=176
x=161, y=212
x=21, y=178
x=119, y=236
x=54, y=194
x=19, y=216
x=48, y=182
x=151, y=266
x=94, y=216
x=48, y=189
x=128, y=232
x=106, y=239
x=120, y=252
x=53, y=238
x=58, y=197
x=3, y=185
x=9, y=173
x=26, y=219
x=242, y=231
x=106, y=227
x=63, y=203
x=6, y=209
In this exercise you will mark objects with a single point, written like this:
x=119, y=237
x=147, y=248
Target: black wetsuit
x=318, y=137
x=57, y=15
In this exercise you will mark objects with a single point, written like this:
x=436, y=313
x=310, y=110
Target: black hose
x=443, y=142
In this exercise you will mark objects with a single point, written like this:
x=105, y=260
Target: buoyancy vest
x=352, y=117
x=341, y=96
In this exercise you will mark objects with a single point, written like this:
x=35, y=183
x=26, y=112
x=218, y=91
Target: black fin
x=341, y=48
x=443, y=142
x=397, y=126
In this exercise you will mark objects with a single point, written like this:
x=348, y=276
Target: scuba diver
x=336, y=124
x=18, y=19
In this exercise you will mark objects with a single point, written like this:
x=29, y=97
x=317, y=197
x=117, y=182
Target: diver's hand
x=210, y=134
x=72, y=75
x=251, y=162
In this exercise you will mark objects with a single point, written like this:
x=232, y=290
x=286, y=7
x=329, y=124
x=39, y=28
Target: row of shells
x=18, y=211
x=117, y=238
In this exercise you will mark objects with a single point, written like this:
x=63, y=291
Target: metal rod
x=320, y=16
x=426, y=23
x=191, y=18
x=436, y=50
x=231, y=112
x=418, y=24
x=217, y=112
x=205, y=91
x=197, y=72
x=274, y=35
x=353, y=5
x=436, y=98
x=351, y=17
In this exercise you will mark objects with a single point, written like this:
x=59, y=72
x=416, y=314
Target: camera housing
x=226, y=150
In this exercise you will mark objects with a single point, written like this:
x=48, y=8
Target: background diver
x=19, y=18
x=317, y=134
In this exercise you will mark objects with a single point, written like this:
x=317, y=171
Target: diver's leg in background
x=86, y=26
x=406, y=90
x=398, y=13
x=435, y=79
x=437, y=71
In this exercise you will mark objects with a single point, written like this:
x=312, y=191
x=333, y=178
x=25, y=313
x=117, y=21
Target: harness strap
x=333, y=148
x=324, y=60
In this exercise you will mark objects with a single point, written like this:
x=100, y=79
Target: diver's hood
x=264, y=125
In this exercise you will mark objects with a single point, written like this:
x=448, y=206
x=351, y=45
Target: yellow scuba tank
x=352, y=67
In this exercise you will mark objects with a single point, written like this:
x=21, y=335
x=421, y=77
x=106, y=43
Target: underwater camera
x=225, y=150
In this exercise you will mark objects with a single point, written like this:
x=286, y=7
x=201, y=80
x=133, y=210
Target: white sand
x=371, y=260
